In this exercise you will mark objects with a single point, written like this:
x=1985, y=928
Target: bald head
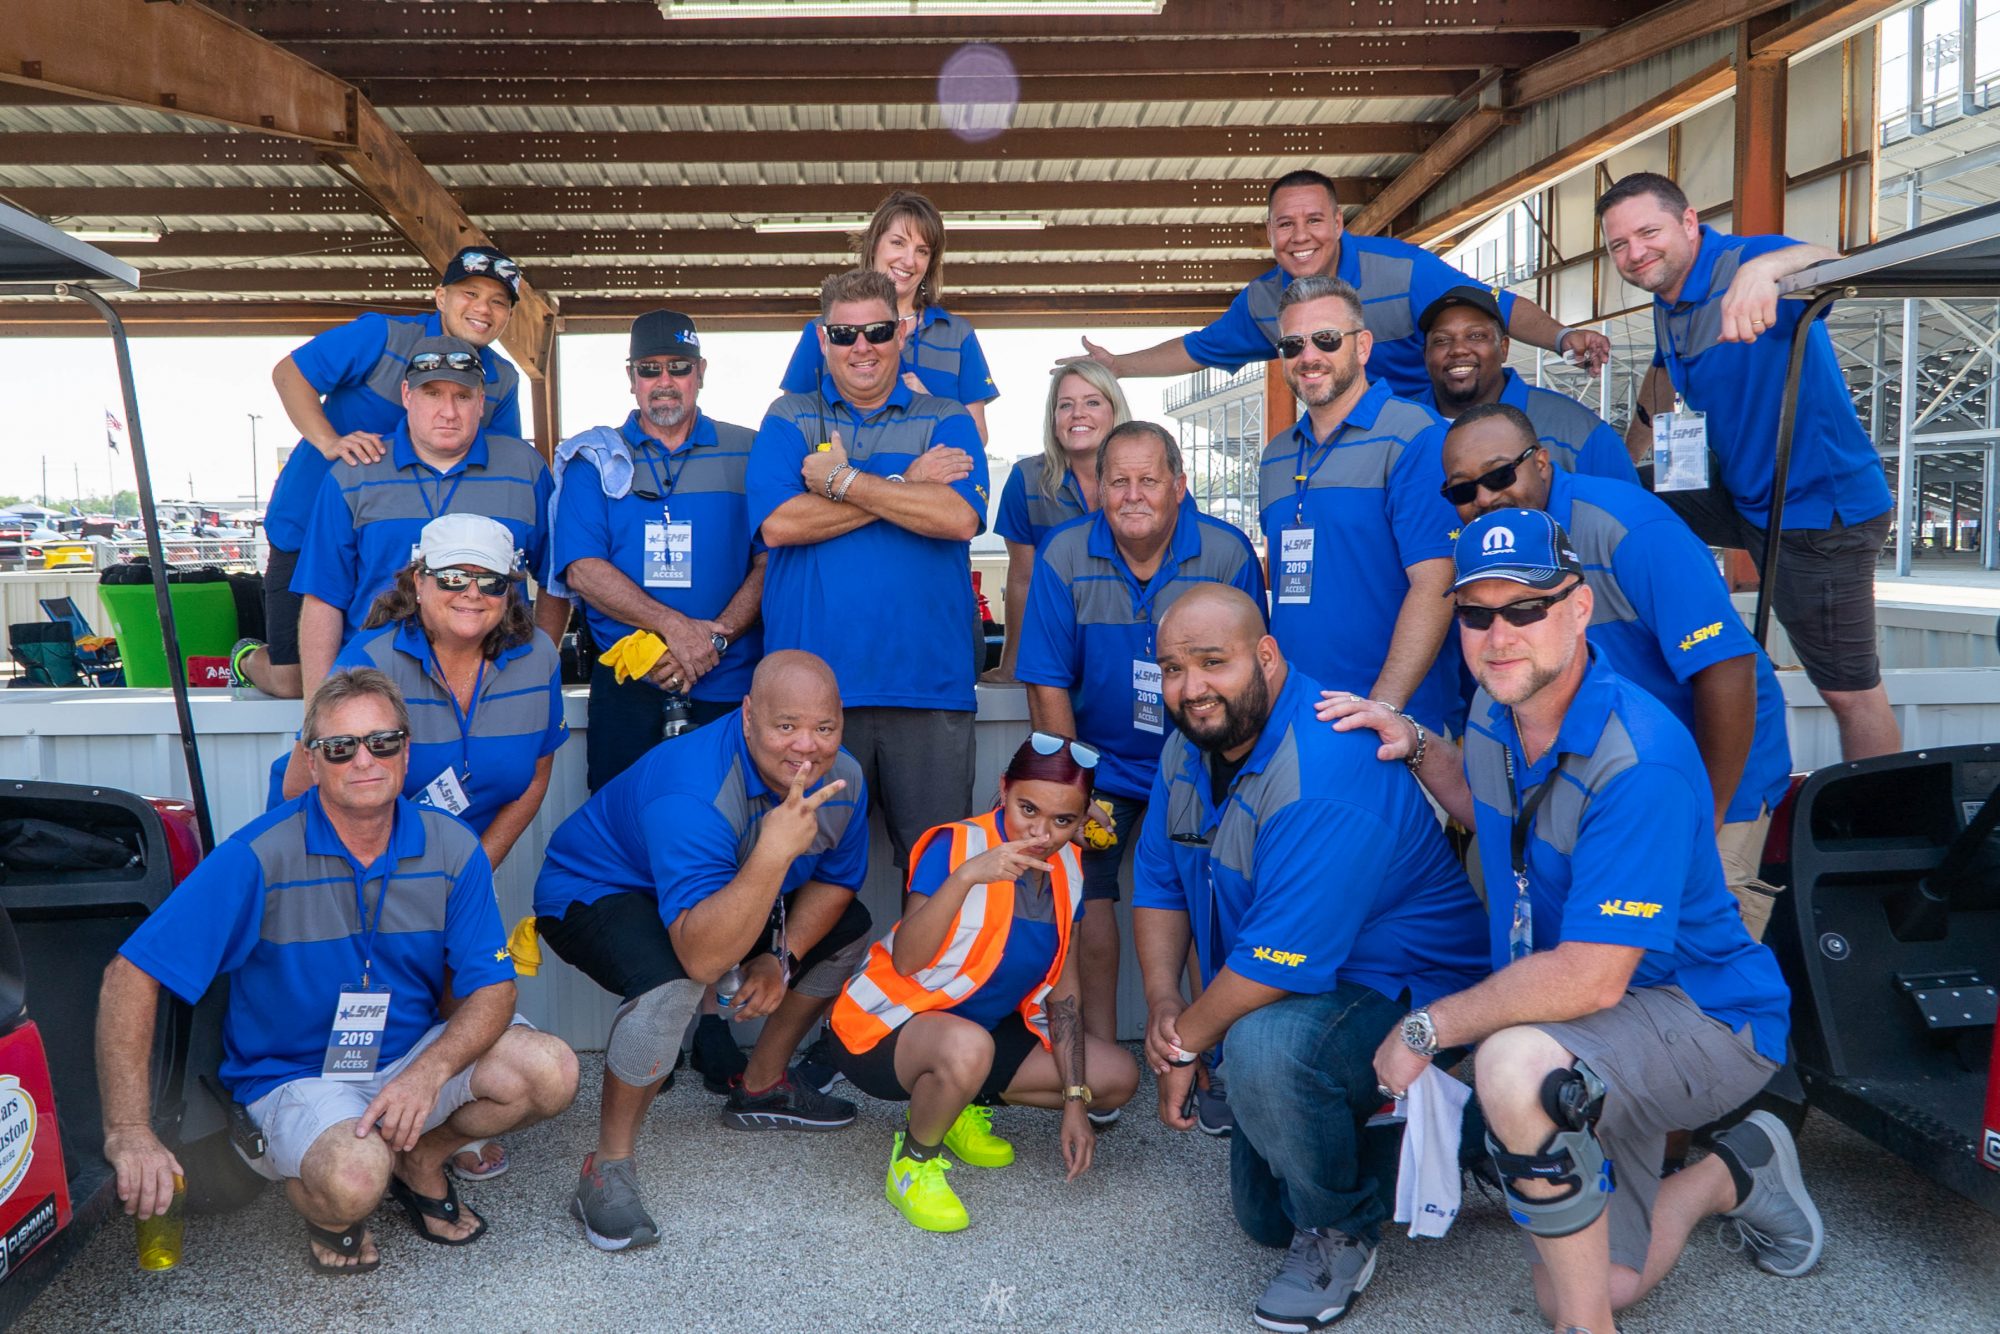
x=795, y=676
x=1215, y=614
x=792, y=721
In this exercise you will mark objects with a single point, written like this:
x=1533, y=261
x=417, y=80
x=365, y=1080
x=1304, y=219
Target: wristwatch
x=1419, y=1033
x=718, y=641
x=1182, y=1059
x=1077, y=1093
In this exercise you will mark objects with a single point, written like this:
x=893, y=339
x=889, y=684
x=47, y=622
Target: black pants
x=625, y=722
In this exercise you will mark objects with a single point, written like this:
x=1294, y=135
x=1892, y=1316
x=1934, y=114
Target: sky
x=196, y=394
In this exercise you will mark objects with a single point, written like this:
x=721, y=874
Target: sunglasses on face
x=1520, y=614
x=457, y=581
x=680, y=368
x=1326, y=340
x=341, y=749
x=1047, y=743
x=843, y=335
x=430, y=361
x=1502, y=477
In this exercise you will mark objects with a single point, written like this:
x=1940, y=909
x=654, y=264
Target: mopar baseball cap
x=1521, y=546
x=1485, y=300
x=443, y=357
x=664, y=333
x=483, y=261
x=466, y=539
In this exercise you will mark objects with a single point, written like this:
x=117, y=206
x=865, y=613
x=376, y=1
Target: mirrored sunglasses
x=843, y=335
x=341, y=749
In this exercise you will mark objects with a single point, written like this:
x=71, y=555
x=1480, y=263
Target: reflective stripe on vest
x=878, y=1000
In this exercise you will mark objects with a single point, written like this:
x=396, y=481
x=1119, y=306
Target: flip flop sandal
x=347, y=1243
x=485, y=1171
x=420, y=1207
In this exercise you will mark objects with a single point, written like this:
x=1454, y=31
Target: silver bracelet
x=1415, y=758
x=847, y=483
x=832, y=475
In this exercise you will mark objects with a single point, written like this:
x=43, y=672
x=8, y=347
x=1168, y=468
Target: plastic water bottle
x=727, y=986
x=677, y=717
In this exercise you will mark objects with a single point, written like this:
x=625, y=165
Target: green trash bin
x=204, y=617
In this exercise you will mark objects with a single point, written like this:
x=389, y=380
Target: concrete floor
x=791, y=1233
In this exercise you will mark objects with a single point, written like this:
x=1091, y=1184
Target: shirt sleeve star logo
x=500, y=956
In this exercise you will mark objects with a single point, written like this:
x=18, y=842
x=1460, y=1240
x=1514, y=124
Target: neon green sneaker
x=920, y=1193
x=972, y=1139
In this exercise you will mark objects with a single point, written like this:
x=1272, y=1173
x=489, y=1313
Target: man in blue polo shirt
x=342, y=920
x=652, y=531
x=1627, y=999
x=439, y=461
x=868, y=496
x=1709, y=407
x=1396, y=281
x=343, y=392
x=733, y=853
x=1317, y=888
x=1465, y=352
x=1101, y=585
x=1663, y=621
x=1360, y=538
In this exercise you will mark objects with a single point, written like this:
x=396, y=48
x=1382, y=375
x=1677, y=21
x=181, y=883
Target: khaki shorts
x=1742, y=847
x=1666, y=1066
x=293, y=1116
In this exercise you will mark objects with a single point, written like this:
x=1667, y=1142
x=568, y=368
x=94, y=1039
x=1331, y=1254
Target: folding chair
x=96, y=655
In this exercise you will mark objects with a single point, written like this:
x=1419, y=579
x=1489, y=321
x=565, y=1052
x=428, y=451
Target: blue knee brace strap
x=1572, y=1157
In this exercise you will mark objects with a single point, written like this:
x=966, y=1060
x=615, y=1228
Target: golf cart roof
x=31, y=251
x=1957, y=256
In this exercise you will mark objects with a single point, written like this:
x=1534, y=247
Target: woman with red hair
x=972, y=999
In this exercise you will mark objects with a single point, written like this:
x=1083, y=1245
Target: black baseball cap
x=445, y=358
x=664, y=333
x=1485, y=300
x=483, y=261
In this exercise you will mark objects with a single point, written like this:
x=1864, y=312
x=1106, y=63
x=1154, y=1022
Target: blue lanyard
x=1069, y=485
x=361, y=915
x=464, y=716
x=1301, y=474
x=433, y=510
x=1144, y=595
x=673, y=478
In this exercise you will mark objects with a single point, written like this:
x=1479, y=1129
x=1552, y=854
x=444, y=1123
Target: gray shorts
x=1665, y=1066
x=918, y=767
x=293, y=1116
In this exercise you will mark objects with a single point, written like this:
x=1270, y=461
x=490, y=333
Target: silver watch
x=1419, y=1033
x=719, y=642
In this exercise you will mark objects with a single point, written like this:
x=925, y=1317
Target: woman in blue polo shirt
x=1060, y=484
x=972, y=999
x=484, y=689
x=941, y=353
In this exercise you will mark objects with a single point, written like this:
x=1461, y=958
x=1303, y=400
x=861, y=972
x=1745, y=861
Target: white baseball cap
x=467, y=539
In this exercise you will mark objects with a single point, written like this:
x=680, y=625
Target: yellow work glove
x=525, y=948
x=634, y=656
x=1098, y=831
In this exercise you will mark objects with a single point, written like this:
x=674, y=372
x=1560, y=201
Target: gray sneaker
x=1212, y=1112
x=1317, y=1284
x=1777, y=1222
x=607, y=1204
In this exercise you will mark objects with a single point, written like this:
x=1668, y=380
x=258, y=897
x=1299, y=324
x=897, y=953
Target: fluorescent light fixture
x=857, y=9
x=854, y=222
x=99, y=234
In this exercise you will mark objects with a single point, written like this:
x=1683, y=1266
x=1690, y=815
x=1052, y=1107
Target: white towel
x=1427, y=1178
x=604, y=447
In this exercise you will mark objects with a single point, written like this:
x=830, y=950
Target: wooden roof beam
x=193, y=62
x=1629, y=43
x=1457, y=144
x=640, y=21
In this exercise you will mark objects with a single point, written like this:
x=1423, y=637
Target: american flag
x=113, y=428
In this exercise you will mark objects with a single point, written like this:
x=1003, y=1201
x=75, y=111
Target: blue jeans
x=1302, y=1085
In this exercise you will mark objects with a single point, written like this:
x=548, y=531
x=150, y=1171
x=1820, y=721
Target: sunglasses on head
x=1326, y=340
x=457, y=581
x=458, y=361
x=341, y=749
x=843, y=335
x=1520, y=614
x=680, y=368
x=1047, y=743
x=1502, y=477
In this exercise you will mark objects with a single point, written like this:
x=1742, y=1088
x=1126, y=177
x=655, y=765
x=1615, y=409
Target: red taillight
x=183, y=834
x=1778, y=842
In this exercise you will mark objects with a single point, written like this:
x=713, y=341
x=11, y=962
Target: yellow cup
x=161, y=1236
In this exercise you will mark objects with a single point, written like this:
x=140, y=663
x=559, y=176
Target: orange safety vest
x=878, y=1000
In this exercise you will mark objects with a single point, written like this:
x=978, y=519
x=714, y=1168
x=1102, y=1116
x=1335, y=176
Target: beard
x=1457, y=398
x=1345, y=373
x=1538, y=679
x=667, y=413
x=1243, y=717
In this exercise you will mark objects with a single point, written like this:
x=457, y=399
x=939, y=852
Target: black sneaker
x=815, y=1068
x=786, y=1105
x=716, y=1055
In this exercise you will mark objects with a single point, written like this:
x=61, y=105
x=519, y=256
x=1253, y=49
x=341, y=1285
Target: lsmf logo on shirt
x=1285, y=957
x=1498, y=541
x=1707, y=632
x=1628, y=908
